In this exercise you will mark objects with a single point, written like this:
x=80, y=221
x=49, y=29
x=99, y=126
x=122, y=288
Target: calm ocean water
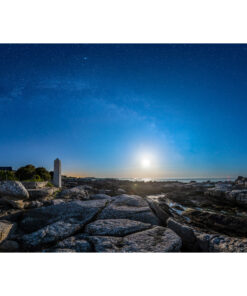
x=184, y=180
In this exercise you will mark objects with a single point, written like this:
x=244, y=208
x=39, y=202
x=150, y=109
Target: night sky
x=125, y=110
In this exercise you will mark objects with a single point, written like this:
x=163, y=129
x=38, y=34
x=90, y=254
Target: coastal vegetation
x=7, y=175
x=26, y=173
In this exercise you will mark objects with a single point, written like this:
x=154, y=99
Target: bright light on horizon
x=145, y=162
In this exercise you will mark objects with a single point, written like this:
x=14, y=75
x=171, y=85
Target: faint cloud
x=9, y=94
x=78, y=90
x=117, y=110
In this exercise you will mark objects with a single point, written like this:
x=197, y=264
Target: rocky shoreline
x=108, y=215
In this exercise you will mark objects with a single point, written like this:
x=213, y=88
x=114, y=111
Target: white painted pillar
x=57, y=177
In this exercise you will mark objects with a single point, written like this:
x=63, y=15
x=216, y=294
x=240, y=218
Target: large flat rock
x=34, y=185
x=105, y=244
x=115, y=227
x=130, y=207
x=77, y=192
x=83, y=211
x=130, y=201
x=73, y=243
x=101, y=196
x=42, y=192
x=50, y=233
x=156, y=239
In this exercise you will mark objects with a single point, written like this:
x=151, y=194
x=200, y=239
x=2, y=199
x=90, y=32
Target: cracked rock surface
x=194, y=239
x=115, y=227
x=101, y=223
x=130, y=207
x=187, y=217
x=83, y=211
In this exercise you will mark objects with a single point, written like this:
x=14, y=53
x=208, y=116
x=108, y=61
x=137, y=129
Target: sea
x=183, y=180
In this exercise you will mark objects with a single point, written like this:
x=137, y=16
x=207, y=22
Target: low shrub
x=43, y=173
x=36, y=178
x=30, y=173
x=7, y=175
x=25, y=173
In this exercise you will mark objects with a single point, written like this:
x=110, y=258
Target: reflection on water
x=174, y=206
x=182, y=180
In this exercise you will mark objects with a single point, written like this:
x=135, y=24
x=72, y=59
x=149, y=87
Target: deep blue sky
x=103, y=108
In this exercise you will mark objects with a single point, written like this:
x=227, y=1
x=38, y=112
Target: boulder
x=87, y=187
x=202, y=240
x=218, y=192
x=130, y=207
x=34, y=204
x=106, y=243
x=34, y=185
x=101, y=196
x=103, y=191
x=78, y=192
x=84, y=211
x=5, y=229
x=9, y=246
x=42, y=192
x=239, y=196
x=115, y=227
x=8, y=203
x=51, y=233
x=16, y=204
x=159, y=212
x=130, y=200
x=74, y=243
x=13, y=190
x=156, y=239
x=220, y=243
x=185, y=232
x=56, y=201
x=223, y=243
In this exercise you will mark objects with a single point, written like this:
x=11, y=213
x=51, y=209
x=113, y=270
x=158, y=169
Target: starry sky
x=103, y=108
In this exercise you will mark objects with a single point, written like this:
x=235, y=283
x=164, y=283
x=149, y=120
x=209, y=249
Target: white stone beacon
x=57, y=178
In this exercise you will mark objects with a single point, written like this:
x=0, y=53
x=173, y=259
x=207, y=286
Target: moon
x=145, y=162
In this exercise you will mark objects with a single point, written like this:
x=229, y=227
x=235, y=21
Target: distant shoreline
x=183, y=180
